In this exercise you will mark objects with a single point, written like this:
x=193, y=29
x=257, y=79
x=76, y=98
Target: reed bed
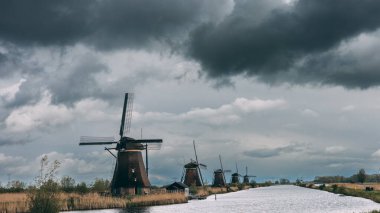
x=18, y=202
x=376, y=186
x=157, y=199
x=89, y=201
x=13, y=202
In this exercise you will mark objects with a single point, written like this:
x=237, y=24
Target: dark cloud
x=14, y=140
x=104, y=24
x=69, y=86
x=270, y=48
x=273, y=152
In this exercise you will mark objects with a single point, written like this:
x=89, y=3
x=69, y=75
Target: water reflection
x=136, y=210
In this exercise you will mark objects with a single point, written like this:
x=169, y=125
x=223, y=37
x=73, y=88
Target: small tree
x=67, y=184
x=44, y=196
x=17, y=186
x=361, y=176
x=82, y=188
x=101, y=185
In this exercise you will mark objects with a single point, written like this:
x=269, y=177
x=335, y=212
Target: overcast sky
x=289, y=88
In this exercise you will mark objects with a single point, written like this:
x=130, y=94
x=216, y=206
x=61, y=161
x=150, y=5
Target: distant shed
x=178, y=186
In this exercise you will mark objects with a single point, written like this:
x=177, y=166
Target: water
x=267, y=199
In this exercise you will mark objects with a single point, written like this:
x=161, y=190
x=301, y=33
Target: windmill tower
x=235, y=177
x=219, y=175
x=192, y=174
x=246, y=176
x=130, y=176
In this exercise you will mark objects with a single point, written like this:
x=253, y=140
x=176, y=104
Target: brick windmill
x=192, y=175
x=235, y=177
x=219, y=175
x=130, y=176
x=246, y=177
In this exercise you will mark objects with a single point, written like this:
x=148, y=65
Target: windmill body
x=192, y=175
x=219, y=176
x=235, y=177
x=219, y=179
x=130, y=175
x=246, y=177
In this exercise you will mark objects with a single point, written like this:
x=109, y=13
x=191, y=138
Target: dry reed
x=13, y=202
x=18, y=202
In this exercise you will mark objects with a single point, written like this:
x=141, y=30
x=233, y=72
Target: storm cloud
x=103, y=24
x=286, y=45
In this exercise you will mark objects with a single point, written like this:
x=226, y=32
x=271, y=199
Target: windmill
x=235, y=177
x=219, y=175
x=192, y=174
x=130, y=176
x=246, y=176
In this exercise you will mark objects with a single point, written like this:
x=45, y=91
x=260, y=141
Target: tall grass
x=13, y=202
x=18, y=202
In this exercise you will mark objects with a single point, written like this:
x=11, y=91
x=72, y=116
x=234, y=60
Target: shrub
x=321, y=187
x=43, y=198
x=193, y=189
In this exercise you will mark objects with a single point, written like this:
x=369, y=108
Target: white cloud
x=334, y=149
x=348, y=108
x=44, y=114
x=223, y=115
x=310, y=113
x=376, y=154
x=7, y=94
x=335, y=165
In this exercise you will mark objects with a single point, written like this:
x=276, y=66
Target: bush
x=193, y=189
x=101, y=185
x=321, y=187
x=43, y=198
x=82, y=188
x=67, y=184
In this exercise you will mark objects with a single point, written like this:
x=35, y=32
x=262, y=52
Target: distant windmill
x=235, y=177
x=219, y=175
x=130, y=176
x=192, y=174
x=246, y=176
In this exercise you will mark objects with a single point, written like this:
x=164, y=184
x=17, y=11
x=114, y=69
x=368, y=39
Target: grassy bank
x=18, y=202
x=355, y=190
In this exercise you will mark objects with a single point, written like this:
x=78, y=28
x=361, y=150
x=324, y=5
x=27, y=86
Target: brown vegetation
x=13, y=202
x=18, y=202
x=376, y=186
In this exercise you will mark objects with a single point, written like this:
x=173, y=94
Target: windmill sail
x=89, y=140
x=127, y=114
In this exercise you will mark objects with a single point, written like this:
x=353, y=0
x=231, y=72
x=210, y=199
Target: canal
x=267, y=199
